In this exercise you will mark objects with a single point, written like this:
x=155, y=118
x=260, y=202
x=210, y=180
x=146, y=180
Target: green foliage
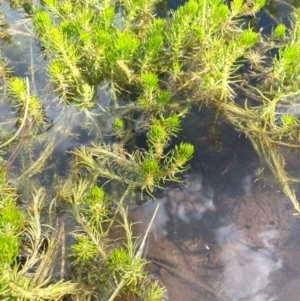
x=118, y=124
x=114, y=268
x=42, y=20
x=155, y=292
x=84, y=250
x=279, y=31
x=85, y=96
x=24, y=263
x=98, y=207
x=143, y=170
x=17, y=91
x=288, y=127
x=11, y=222
x=150, y=171
x=157, y=139
x=118, y=261
x=163, y=98
x=123, y=50
x=123, y=267
x=133, y=46
x=178, y=157
x=149, y=82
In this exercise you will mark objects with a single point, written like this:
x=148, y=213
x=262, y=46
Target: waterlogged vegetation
x=115, y=80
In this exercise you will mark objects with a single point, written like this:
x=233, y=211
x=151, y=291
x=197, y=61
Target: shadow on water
x=225, y=235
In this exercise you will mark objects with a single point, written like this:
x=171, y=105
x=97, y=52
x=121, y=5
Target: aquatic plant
x=144, y=170
x=102, y=265
x=33, y=259
x=28, y=253
x=116, y=71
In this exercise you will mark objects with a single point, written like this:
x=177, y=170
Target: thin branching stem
x=24, y=120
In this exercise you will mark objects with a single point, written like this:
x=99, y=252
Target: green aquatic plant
x=279, y=31
x=34, y=252
x=18, y=91
x=116, y=267
x=133, y=47
x=145, y=170
x=27, y=254
x=115, y=71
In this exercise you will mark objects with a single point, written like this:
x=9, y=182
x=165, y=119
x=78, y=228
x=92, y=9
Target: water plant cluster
x=109, y=74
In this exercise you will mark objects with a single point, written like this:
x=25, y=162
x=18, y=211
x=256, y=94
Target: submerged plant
x=116, y=267
x=118, y=71
x=145, y=170
x=27, y=255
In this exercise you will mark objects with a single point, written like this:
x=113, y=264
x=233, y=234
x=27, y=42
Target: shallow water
x=239, y=248
x=226, y=235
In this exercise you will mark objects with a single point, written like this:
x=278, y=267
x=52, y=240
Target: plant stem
x=23, y=120
x=138, y=254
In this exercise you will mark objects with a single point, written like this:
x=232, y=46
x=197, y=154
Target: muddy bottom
x=225, y=235
x=202, y=248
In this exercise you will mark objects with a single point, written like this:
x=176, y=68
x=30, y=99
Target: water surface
x=226, y=235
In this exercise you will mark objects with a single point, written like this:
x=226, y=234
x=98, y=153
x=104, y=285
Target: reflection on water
x=204, y=246
x=179, y=207
x=223, y=236
x=246, y=271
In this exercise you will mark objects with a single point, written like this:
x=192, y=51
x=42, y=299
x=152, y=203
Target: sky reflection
x=246, y=274
x=208, y=246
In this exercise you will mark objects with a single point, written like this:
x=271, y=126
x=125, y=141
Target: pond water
x=225, y=235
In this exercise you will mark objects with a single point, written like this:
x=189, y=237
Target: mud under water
x=226, y=235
